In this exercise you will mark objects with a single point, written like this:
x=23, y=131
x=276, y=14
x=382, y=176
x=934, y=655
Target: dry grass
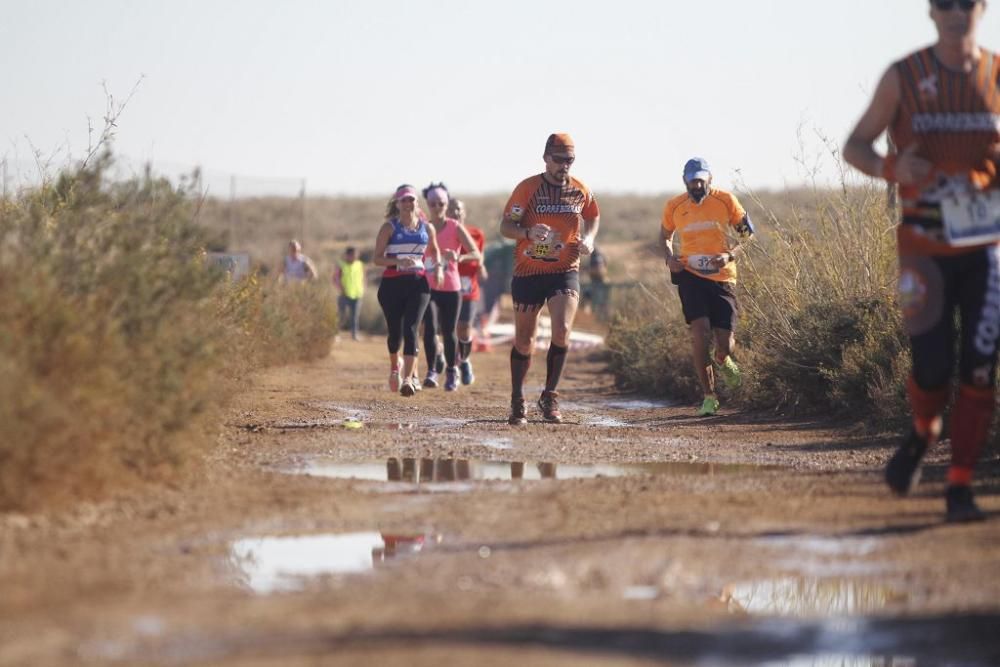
x=117, y=341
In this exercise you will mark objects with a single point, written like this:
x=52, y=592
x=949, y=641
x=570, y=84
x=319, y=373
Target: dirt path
x=756, y=541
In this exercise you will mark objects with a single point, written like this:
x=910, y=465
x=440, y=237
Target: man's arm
x=906, y=168
x=590, y=228
x=666, y=243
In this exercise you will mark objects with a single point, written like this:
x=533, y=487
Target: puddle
x=279, y=564
x=611, y=422
x=636, y=404
x=497, y=443
x=809, y=598
x=823, y=556
x=423, y=470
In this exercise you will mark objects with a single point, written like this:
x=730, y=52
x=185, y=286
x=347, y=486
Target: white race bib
x=702, y=264
x=466, y=285
x=971, y=219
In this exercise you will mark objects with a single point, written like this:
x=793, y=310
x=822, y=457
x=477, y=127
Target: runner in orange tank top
x=941, y=107
x=554, y=218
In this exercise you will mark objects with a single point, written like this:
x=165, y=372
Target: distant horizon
x=356, y=99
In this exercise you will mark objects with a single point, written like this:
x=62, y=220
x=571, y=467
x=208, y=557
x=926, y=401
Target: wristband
x=889, y=168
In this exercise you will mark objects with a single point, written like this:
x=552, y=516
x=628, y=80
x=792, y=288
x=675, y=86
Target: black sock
x=464, y=349
x=519, y=364
x=554, y=362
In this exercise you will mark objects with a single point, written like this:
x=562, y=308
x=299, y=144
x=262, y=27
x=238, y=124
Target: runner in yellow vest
x=350, y=281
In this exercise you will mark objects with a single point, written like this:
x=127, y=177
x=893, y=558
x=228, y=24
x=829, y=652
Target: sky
x=354, y=98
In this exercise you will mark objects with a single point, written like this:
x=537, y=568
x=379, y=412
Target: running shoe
x=431, y=381
x=439, y=363
x=902, y=473
x=548, y=403
x=962, y=506
x=730, y=373
x=468, y=377
x=451, y=380
x=709, y=406
x=415, y=381
x=518, y=413
x=407, y=388
x=394, y=379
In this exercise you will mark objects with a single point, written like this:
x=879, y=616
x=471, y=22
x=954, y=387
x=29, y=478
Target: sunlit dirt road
x=337, y=523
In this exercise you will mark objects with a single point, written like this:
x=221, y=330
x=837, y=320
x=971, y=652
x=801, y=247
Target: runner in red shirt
x=470, y=270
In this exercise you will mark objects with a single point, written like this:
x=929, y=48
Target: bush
x=819, y=329
x=117, y=341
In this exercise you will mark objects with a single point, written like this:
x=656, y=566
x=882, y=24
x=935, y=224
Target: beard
x=697, y=194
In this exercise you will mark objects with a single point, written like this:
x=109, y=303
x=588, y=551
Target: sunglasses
x=561, y=159
x=947, y=5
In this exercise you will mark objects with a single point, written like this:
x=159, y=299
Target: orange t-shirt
x=702, y=228
x=563, y=208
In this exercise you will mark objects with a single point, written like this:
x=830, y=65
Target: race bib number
x=702, y=264
x=971, y=219
x=466, y=285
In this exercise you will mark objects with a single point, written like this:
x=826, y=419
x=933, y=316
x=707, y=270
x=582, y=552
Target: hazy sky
x=357, y=97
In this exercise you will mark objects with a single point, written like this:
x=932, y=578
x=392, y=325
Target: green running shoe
x=730, y=373
x=709, y=406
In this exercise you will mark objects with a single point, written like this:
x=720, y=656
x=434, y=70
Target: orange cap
x=559, y=142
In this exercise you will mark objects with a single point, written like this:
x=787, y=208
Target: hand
x=911, y=169
x=439, y=274
x=407, y=263
x=539, y=232
x=719, y=260
x=675, y=265
x=586, y=245
x=449, y=255
x=483, y=273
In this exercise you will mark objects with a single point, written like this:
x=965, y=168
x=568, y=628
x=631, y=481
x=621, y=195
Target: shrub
x=819, y=329
x=117, y=341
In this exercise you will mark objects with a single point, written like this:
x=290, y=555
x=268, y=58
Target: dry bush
x=117, y=341
x=819, y=329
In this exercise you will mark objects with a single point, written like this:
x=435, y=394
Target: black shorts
x=530, y=291
x=701, y=297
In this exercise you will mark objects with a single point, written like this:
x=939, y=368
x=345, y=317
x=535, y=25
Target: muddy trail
x=337, y=523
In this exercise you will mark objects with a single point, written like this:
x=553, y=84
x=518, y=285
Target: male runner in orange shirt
x=554, y=218
x=941, y=106
x=704, y=270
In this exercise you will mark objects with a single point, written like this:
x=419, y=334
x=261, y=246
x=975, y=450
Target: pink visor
x=406, y=191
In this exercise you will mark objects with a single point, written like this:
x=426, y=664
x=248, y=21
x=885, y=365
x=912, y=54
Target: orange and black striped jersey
x=954, y=118
x=702, y=230
x=561, y=207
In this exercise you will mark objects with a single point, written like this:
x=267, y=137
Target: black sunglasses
x=559, y=159
x=947, y=5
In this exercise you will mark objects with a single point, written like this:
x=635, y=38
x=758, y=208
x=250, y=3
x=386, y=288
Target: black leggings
x=403, y=300
x=931, y=290
x=442, y=315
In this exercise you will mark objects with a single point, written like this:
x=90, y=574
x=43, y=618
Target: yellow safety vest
x=352, y=278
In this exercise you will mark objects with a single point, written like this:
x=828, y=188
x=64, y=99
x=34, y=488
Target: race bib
x=466, y=285
x=702, y=264
x=971, y=218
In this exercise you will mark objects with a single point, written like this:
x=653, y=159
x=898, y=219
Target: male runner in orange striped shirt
x=941, y=106
x=554, y=218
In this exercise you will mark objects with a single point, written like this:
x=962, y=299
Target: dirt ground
x=760, y=540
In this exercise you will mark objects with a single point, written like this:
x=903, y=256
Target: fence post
x=302, y=197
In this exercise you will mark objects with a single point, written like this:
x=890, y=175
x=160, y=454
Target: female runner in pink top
x=441, y=315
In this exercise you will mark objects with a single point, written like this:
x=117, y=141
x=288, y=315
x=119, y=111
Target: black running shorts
x=531, y=291
x=701, y=297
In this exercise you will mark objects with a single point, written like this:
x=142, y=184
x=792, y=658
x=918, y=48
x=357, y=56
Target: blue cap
x=696, y=167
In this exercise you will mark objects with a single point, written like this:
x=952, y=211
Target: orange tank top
x=954, y=118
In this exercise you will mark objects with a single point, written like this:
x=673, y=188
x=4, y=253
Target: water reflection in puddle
x=811, y=598
x=422, y=470
x=277, y=564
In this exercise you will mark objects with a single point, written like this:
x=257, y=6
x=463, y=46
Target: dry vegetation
x=118, y=341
